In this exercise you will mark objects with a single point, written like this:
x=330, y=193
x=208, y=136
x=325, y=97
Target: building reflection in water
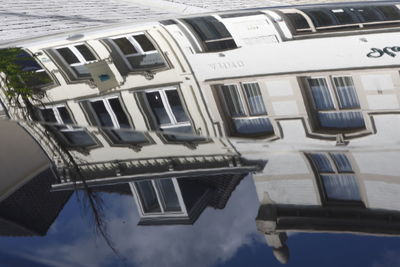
x=177, y=112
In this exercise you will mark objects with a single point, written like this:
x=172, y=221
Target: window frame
x=334, y=96
x=138, y=48
x=182, y=213
x=79, y=56
x=335, y=171
x=114, y=120
x=239, y=86
x=67, y=127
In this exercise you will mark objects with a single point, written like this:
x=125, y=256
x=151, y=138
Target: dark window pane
x=125, y=45
x=389, y=12
x=253, y=126
x=213, y=46
x=85, y=52
x=370, y=14
x=233, y=100
x=343, y=16
x=321, y=162
x=176, y=106
x=168, y=195
x=66, y=118
x=157, y=106
x=68, y=55
x=341, y=187
x=321, y=18
x=38, y=79
x=126, y=137
x=182, y=134
x=147, y=196
x=254, y=99
x=147, y=61
x=102, y=114
x=342, y=162
x=119, y=112
x=341, y=120
x=48, y=115
x=78, y=138
x=320, y=93
x=144, y=43
x=209, y=28
x=298, y=21
x=346, y=92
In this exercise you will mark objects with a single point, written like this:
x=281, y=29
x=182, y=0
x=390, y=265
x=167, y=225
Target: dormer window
x=138, y=52
x=212, y=33
x=74, y=58
x=335, y=104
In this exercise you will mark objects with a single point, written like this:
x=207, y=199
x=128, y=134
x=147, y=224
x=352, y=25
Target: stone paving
x=21, y=19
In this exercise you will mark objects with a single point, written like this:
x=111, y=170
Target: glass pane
x=341, y=187
x=298, y=21
x=346, y=92
x=168, y=195
x=78, y=138
x=321, y=18
x=344, y=17
x=341, y=120
x=68, y=55
x=342, y=162
x=102, y=114
x=125, y=45
x=208, y=28
x=176, y=106
x=122, y=137
x=221, y=45
x=232, y=100
x=144, y=43
x=254, y=99
x=81, y=71
x=38, y=79
x=147, y=196
x=147, y=61
x=85, y=52
x=253, y=126
x=157, y=106
x=390, y=12
x=321, y=162
x=183, y=134
x=64, y=114
x=370, y=14
x=119, y=113
x=48, y=115
x=320, y=93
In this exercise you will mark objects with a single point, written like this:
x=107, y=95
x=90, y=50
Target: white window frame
x=243, y=99
x=173, y=122
x=333, y=93
x=109, y=109
x=79, y=56
x=182, y=205
x=135, y=44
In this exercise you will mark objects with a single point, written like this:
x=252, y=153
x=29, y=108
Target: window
x=246, y=109
x=335, y=103
x=138, y=52
x=169, y=114
x=109, y=113
x=298, y=22
x=75, y=57
x=34, y=76
x=70, y=135
x=159, y=196
x=212, y=33
x=336, y=176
